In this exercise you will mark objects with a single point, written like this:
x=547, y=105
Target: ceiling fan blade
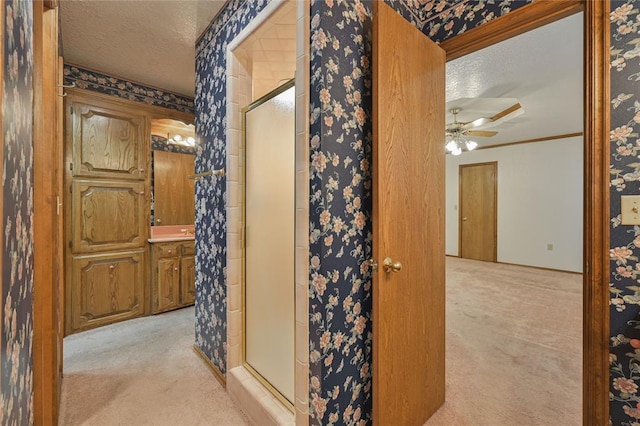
x=482, y=133
x=513, y=111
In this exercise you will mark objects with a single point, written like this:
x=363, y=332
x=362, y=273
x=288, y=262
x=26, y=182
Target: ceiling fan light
x=456, y=151
x=451, y=146
x=471, y=145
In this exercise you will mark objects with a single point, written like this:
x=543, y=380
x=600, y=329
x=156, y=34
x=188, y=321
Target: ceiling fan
x=457, y=133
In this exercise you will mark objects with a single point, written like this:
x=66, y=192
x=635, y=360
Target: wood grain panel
x=188, y=280
x=167, y=284
x=408, y=221
x=108, y=143
x=174, y=192
x=478, y=211
x=106, y=289
x=108, y=215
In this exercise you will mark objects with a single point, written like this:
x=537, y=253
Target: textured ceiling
x=148, y=41
x=541, y=68
x=270, y=51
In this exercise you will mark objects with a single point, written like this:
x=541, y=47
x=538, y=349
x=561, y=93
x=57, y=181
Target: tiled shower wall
x=16, y=342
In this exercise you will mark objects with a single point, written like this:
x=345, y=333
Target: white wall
x=539, y=202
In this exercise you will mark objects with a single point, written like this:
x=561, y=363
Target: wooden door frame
x=46, y=221
x=596, y=171
x=495, y=205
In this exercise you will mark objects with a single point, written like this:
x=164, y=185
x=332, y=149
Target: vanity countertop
x=167, y=233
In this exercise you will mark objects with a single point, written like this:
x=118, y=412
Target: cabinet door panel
x=107, y=143
x=167, y=289
x=188, y=283
x=108, y=215
x=106, y=289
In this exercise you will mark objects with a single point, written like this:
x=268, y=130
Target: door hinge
x=71, y=110
x=58, y=205
x=71, y=166
x=373, y=264
x=71, y=245
x=71, y=188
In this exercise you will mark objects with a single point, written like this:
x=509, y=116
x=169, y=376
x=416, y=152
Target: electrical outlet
x=550, y=247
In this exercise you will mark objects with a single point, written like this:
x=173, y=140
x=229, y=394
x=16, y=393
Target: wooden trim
x=596, y=218
x=45, y=221
x=216, y=373
x=2, y=37
x=542, y=268
x=495, y=206
x=526, y=18
x=544, y=139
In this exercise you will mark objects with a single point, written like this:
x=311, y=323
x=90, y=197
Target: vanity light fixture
x=178, y=140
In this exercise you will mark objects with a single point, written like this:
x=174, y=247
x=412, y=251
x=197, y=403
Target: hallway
x=142, y=372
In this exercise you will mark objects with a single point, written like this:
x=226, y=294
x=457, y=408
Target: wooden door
x=167, y=284
x=105, y=289
x=107, y=142
x=107, y=215
x=478, y=211
x=408, y=221
x=173, y=191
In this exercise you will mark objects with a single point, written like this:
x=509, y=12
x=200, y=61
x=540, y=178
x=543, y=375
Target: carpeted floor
x=514, y=346
x=142, y=372
x=514, y=357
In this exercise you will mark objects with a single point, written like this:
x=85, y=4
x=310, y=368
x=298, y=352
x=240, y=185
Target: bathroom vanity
x=172, y=267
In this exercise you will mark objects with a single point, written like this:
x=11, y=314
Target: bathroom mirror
x=172, y=162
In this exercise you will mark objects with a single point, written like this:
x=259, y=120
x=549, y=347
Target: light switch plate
x=630, y=206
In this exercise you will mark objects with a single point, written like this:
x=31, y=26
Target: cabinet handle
x=141, y=192
x=175, y=269
x=169, y=251
x=141, y=170
x=112, y=266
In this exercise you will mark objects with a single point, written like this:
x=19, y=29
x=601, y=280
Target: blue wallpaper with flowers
x=125, y=89
x=624, y=286
x=210, y=223
x=17, y=187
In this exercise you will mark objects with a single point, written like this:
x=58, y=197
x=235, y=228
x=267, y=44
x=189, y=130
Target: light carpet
x=142, y=372
x=514, y=357
x=513, y=348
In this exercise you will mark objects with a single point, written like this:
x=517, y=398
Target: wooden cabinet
x=107, y=209
x=172, y=275
x=107, y=141
x=106, y=288
x=107, y=215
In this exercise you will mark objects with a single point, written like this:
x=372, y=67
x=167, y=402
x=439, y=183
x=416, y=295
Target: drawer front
x=189, y=248
x=166, y=250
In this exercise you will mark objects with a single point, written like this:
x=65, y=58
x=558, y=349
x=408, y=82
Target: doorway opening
x=514, y=230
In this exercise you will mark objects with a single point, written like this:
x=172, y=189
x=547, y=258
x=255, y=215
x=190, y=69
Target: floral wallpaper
x=16, y=396
x=116, y=86
x=210, y=223
x=624, y=357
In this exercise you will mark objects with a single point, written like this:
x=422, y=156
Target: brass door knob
x=464, y=219
x=390, y=266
